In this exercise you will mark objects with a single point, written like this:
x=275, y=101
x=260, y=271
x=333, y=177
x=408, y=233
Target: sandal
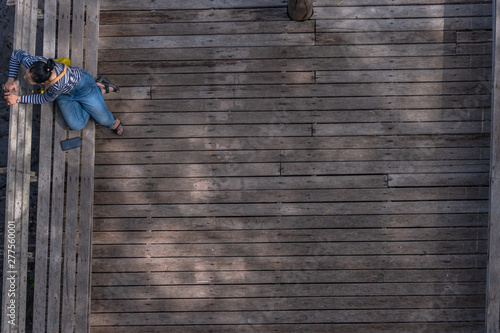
x=118, y=128
x=107, y=83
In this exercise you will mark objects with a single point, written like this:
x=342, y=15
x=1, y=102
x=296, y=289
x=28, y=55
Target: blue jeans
x=83, y=102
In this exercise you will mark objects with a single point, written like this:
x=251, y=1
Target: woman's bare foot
x=103, y=88
x=118, y=127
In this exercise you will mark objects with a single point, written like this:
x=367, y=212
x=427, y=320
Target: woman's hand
x=10, y=85
x=11, y=98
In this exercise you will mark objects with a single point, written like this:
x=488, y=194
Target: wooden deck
x=16, y=230
x=275, y=176
x=60, y=299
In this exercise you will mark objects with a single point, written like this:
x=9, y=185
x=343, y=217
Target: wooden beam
x=83, y=289
x=493, y=277
x=300, y=10
x=18, y=184
x=45, y=179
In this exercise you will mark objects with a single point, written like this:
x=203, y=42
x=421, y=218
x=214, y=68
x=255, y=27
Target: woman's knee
x=75, y=125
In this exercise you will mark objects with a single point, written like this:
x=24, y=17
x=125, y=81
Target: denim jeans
x=83, y=102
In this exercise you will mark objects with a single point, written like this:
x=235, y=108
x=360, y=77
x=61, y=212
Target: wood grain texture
x=44, y=178
x=17, y=188
x=492, y=283
x=62, y=283
x=326, y=175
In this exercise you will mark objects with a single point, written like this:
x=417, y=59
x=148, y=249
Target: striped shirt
x=63, y=86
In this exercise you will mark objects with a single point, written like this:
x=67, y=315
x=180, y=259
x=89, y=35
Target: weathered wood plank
x=257, y=13
x=18, y=202
x=187, y=4
x=17, y=187
x=419, y=37
x=474, y=36
x=24, y=168
x=275, y=263
x=299, y=317
x=240, y=183
x=323, y=64
x=313, y=236
x=279, y=290
x=353, y=247
x=266, y=143
x=414, y=154
x=70, y=239
x=401, y=128
x=462, y=327
x=193, y=5
x=57, y=222
x=225, y=318
x=13, y=188
x=193, y=170
x=492, y=311
x=265, y=156
x=324, y=90
x=287, y=276
x=330, y=3
x=305, y=316
x=44, y=178
x=77, y=33
x=208, y=28
x=194, y=131
x=473, y=74
x=492, y=291
x=474, y=48
x=72, y=211
x=314, y=195
x=374, y=104
x=248, y=328
x=59, y=176
x=142, y=93
x=480, y=99
x=451, y=179
x=290, y=169
x=411, y=11
x=306, y=303
x=298, y=209
x=277, y=52
x=302, y=317
x=83, y=290
x=212, y=79
x=396, y=24
x=139, y=117
x=200, y=41
x=384, y=167
x=294, y=222
x=262, y=156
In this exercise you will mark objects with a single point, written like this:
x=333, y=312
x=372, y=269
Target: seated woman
x=78, y=95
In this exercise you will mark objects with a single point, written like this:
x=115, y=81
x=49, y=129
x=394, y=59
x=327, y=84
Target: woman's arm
x=29, y=99
x=20, y=57
x=11, y=98
x=10, y=85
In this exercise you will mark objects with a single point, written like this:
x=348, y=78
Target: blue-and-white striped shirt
x=63, y=86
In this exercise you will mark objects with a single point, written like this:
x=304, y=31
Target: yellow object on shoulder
x=65, y=61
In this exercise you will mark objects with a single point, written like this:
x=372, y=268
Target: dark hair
x=41, y=71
